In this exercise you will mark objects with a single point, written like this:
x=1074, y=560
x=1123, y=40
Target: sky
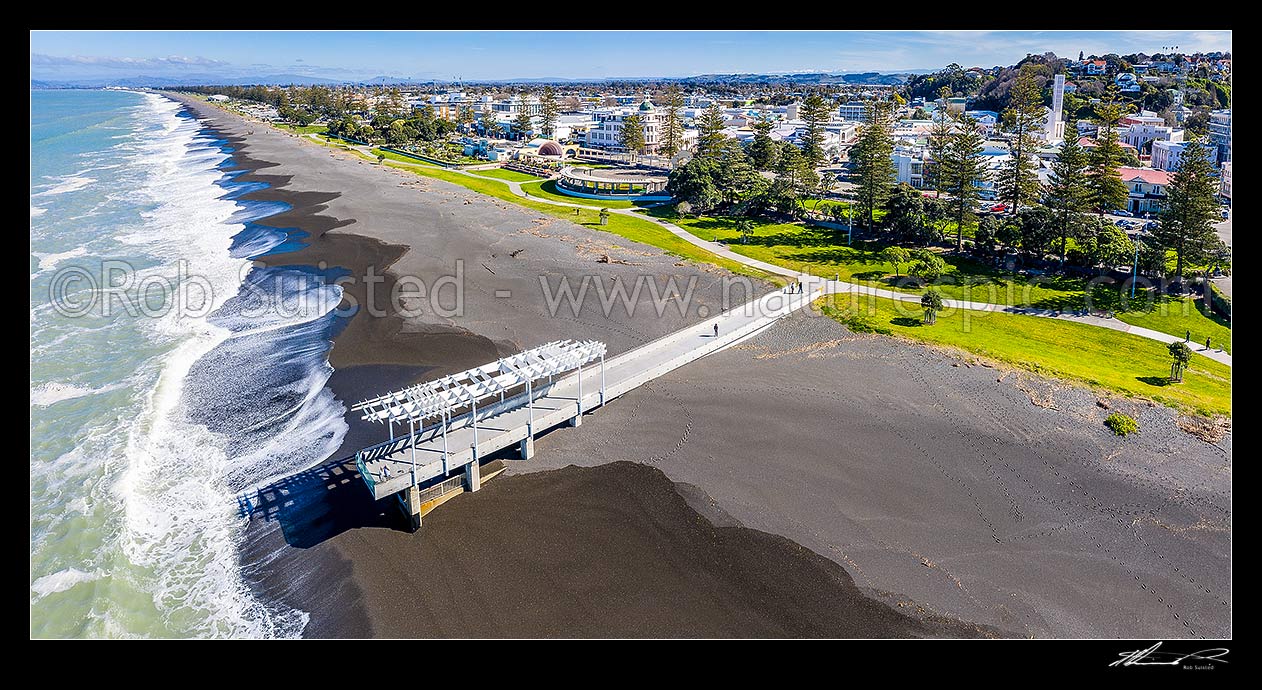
x=472, y=55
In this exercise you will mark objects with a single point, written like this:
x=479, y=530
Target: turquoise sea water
x=147, y=418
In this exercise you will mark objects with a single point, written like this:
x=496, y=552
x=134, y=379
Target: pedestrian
x=716, y=333
x=1188, y=337
x=1207, y=343
x=385, y=472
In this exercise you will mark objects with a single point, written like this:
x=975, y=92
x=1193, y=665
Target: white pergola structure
x=440, y=397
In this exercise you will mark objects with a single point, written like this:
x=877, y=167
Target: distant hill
x=873, y=78
x=811, y=78
x=187, y=80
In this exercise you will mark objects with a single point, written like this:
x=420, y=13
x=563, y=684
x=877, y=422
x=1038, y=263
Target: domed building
x=607, y=132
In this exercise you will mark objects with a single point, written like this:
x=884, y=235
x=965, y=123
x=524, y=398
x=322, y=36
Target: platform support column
x=528, y=445
x=411, y=501
x=577, y=419
x=473, y=475
x=602, y=380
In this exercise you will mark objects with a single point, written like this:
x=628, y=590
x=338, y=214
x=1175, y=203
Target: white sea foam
x=180, y=517
x=61, y=581
x=68, y=183
x=36, y=211
x=47, y=262
x=55, y=392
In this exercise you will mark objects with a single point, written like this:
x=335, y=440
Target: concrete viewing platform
x=407, y=465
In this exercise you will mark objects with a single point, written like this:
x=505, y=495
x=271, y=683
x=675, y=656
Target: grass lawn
x=635, y=229
x=547, y=189
x=307, y=129
x=1122, y=363
x=1177, y=316
x=510, y=175
x=823, y=252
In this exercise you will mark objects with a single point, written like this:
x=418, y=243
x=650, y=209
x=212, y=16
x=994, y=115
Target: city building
x=1220, y=133
x=1127, y=82
x=1166, y=154
x=1225, y=189
x=1139, y=130
x=606, y=132
x=909, y=162
x=511, y=106
x=1054, y=125
x=854, y=111
x=1147, y=189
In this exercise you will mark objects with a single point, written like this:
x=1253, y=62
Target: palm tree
x=932, y=302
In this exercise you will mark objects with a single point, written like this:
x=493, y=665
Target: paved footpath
x=720, y=249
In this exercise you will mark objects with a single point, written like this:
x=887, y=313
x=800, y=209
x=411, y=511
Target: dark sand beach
x=809, y=482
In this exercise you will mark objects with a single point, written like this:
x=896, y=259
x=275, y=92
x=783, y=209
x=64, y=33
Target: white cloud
x=109, y=62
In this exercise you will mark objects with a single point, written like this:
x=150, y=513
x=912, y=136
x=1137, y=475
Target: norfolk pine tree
x=873, y=167
x=1107, y=190
x=1186, y=224
x=672, y=122
x=1018, y=178
x=963, y=170
x=1067, y=190
x=549, y=114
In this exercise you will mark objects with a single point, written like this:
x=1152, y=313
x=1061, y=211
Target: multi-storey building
x=1146, y=189
x=1166, y=154
x=1220, y=133
x=606, y=132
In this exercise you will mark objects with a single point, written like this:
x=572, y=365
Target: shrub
x=1121, y=424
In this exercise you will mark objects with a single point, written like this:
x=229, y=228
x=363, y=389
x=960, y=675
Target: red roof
x=1088, y=142
x=1159, y=177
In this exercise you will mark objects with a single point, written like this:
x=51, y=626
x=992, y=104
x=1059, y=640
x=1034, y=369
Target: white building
x=1147, y=189
x=1166, y=154
x=909, y=162
x=986, y=119
x=573, y=125
x=606, y=132
x=512, y=106
x=854, y=111
x=1053, y=125
x=1138, y=130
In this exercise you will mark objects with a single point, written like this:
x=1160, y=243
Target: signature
x=1152, y=657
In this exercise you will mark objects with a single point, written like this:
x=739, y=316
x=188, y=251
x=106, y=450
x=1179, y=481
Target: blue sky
x=507, y=55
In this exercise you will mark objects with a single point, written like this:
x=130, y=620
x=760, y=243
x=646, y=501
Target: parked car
x=1226, y=214
x=1150, y=225
x=1120, y=212
x=999, y=208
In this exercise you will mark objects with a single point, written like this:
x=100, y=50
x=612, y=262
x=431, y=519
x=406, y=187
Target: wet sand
x=946, y=495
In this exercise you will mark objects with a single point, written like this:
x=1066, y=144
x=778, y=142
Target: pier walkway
x=405, y=464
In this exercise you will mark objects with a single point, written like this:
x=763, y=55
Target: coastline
x=339, y=558
x=370, y=355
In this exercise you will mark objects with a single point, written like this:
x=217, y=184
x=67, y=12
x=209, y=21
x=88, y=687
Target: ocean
x=169, y=372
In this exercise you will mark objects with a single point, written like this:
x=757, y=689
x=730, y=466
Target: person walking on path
x=1188, y=338
x=716, y=333
x=1207, y=343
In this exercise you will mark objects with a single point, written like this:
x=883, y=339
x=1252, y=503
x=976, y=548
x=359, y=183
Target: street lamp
x=1135, y=269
